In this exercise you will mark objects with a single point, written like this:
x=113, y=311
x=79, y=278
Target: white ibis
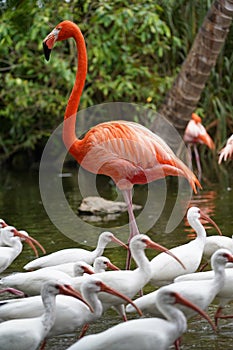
x=103, y=263
x=225, y=294
x=30, y=282
x=164, y=269
x=146, y=333
x=74, y=254
x=129, y=282
x=27, y=333
x=72, y=269
x=214, y=243
x=227, y=151
x=199, y=292
x=12, y=245
x=77, y=269
x=70, y=313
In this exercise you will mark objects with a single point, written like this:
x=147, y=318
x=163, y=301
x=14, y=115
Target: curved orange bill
x=69, y=290
x=183, y=301
x=105, y=288
x=208, y=219
x=118, y=241
x=156, y=246
x=31, y=241
x=88, y=270
x=112, y=266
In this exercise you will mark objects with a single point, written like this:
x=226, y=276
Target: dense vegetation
x=135, y=50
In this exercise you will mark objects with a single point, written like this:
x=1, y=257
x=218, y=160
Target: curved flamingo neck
x=69, y=135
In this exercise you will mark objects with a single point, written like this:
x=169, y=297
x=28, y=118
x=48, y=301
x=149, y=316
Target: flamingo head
x=196, y=118
x=62, y=31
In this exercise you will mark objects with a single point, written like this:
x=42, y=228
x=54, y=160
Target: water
x=21, y=206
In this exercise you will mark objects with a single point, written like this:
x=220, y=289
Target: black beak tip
x=47, y=51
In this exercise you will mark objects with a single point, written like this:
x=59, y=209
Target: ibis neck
x=175, y=316
x=98, y=251
x=219, y=275
x=199, y=229
x=48, y=317
x=94, y=301
x=69, y=134
x=142, y=262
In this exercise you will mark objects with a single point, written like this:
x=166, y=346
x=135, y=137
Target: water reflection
x=20, y=205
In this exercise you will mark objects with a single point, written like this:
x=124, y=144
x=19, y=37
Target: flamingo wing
x=127, y=151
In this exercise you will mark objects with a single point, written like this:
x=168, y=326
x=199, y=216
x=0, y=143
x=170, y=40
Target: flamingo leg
x=189, y=156
x=127, y=194
x=197, y=161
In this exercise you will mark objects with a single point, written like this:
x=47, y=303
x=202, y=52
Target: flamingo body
x=195, y=132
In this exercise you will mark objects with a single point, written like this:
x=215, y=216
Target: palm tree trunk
x=185, y=93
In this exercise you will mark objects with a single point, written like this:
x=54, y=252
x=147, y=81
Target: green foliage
x=134, y=50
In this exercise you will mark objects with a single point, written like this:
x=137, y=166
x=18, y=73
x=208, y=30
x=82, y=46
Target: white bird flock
x=91, y=289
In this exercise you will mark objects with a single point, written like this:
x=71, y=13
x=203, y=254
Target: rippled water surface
x=21, y=206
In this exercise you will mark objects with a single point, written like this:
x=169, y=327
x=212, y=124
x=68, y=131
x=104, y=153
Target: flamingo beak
x=49, y=42
x=208, y=219
x=105, y=288
x=69, y=290
x=31, y=241
x=160, y=248
x=183, y=301
x=118, y=241
x=112, y=266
